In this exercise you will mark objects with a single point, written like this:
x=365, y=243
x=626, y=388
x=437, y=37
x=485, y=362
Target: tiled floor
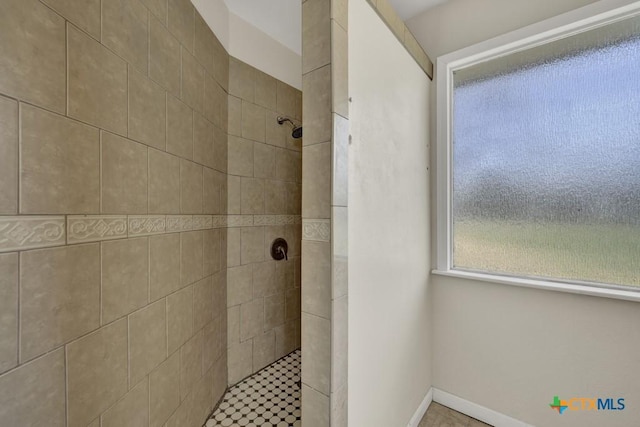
x=269, y=398
x=441, y=416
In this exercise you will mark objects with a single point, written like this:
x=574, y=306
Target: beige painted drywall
x=459, y=23
x=389, y=341
x=249, y=44
x=512, y=349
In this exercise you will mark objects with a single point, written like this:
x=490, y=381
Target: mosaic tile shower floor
x=269, y=398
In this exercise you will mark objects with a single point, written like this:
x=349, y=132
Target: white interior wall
x=389, y=308
x=513, y=349
x=249, y=44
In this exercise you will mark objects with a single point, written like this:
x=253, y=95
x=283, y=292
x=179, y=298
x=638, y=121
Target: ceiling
x=281, y=19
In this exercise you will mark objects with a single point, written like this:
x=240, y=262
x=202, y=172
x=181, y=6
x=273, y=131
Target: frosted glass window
x=546, y=160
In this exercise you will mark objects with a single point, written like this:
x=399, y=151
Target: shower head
x=296, y=130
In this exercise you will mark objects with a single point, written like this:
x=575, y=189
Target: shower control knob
x=279, y=248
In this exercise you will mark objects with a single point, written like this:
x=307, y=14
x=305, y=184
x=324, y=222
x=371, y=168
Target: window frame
x=585, y=18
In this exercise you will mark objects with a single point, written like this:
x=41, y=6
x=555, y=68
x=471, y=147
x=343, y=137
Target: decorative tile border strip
x=30, y=232
x=90, y=228
x=145, y=225
x=316, y=229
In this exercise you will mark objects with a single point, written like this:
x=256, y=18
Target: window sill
x=622, y=294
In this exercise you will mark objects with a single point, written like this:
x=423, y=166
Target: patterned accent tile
x=265, y=220
x=202, y=222
x=29, y=232
x=239, y=220
x=94, y=228
x=145, y=225
x=179, y=223
x=316, y=229
x=270, y=397
x=219, y=221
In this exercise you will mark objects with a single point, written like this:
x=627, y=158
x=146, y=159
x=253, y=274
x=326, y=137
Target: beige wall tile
x=96, y=372
x=240, y=361
x=212, y=191
x=190, y=187
x=131, y=410
x=164, y=265
x=184, y=415
x=60, y=160
x=34, y=393
x=339, y=344
x=234, y=196
x=179, y=318
x=8, y=156
x=191, y=254
x=287, y=338
x=315, y=408
x=179, y=128
x=60, y=297
x=294, y=198
x=316, y=276
x=264, y=279
x=340, y=12
x=164, y=57
x=97, y=83
x=192, y=82
x=164, y=183
x=251, y=319
x=274, y=311
x=215, y=102
x=158, y=8
x=220, y=64
x=275, y=197
x=316, y=86
x=85, y=15
x=220, y=376
x=316, y=34
x=211, y=252
x=212, y=341
x=242, y=79
x=125, y=277
x=124, y=175
x=286, y=99
x=292, y=304
x=164, y=390
x=252, y=245
x=182, y=22
x=190, y=364
x=203, y=43
x=233, y=247
x=28, y=26
x=125, y=29
x=147, y=111
x=240, y=156
x=147, y=340
x=253, y=122
x=233, y=326
x=389, y=15
x=203, y=149
x=9, y=310
x=288, y=165
x=316, y=181
x=264, y=350
x=235, y=115
x=264, y=161
x=340, y=158
x=203, y=397
x=252, y=196
x=339, y=70
x=220, y=149
x=340, y=407
x=202, y=303
x=240, y=285
x=316, y=359
x=276, y=134
x=265, y=90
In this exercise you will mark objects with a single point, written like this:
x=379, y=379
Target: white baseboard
x=473, y=410
x=422, y=409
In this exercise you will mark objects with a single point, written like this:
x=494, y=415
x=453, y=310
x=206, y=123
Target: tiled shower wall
x=264, y=181
x=113, y=214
